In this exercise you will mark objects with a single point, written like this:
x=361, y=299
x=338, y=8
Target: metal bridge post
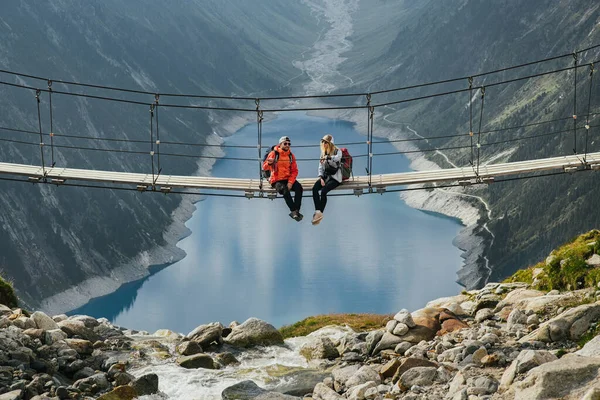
x=37, y=98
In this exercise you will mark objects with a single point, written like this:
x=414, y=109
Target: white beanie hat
x=284, y=139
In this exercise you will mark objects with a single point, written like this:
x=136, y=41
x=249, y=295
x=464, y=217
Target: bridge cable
x=369, y=139
x=471, y=115
x=64, y=82
x=587, y=119
x=575, y=105
x=259, y=120
x=482, y=89
x=152, y=142
x=156, y=100
x=51, y=123
x=37, y=98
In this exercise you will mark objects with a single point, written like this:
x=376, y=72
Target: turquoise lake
x=248, y=258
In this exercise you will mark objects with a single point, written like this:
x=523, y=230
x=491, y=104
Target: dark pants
x=321, y=201
x=281, y=187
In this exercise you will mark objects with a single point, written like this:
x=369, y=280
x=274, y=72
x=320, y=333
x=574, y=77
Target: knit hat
x=328, y=138
x=284, y=139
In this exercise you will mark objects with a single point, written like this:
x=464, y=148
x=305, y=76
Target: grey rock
x=319, y=348
x=358, y=392
x=405, y=317
x=146, y=384
x=593, y=261
x=226, y=359
x=421, y=376
x=388, y=341
x=403, y=347
x=42, y=321
x=484, y=314
x=342, y=374
x=569, y=375
x=254, y=332
x=482, y=385
x=592, y=394
x=78, y=328
x=89, y=322
x=391, y=325
x=189, y=348
x=54, y=336
x=323, y=392
x=364, y=374
x=196, y=361
x=373, y=339
x=207, y=334
x=569, y=325
x=248, y=390
x=591, y=348
x=400, y=329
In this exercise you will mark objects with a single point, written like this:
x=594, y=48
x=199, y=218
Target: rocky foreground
x=505, y=341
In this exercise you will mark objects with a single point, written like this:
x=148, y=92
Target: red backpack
x=346, y=164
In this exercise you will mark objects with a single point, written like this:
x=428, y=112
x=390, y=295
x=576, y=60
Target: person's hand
x=289, y=186
x=322, y=182
x=270, y=161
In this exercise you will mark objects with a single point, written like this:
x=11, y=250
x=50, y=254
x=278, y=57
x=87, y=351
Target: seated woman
x=330, y=176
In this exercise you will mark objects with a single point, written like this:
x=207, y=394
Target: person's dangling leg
x=316, y=197
x=329, y=186
x=298, y=190
x=281, y=187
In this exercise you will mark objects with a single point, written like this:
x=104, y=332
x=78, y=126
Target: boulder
x=364, y=374
x=78, y=328
x=146, y=384
x=323, y=392
x=254, y=332
x=42, y=321
x=14, y=395
x=405, y=317
x=421, y=376
x=197, y=361
x=570, y=325
x=120, y=393
x=207, y=334
x=319, y=348
x=189, y=348
x=593, y=261
x=417, y=334
x=569, y=378
x=410, y=363
x=388, y=341
x=83, y=347
x=591, y=348
x=248, y=390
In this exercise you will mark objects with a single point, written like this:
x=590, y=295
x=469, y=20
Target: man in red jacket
x=284, y=170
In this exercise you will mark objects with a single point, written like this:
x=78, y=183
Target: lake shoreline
x=164, y=256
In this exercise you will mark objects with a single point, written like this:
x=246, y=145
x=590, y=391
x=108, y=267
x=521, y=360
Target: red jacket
x=284, y=169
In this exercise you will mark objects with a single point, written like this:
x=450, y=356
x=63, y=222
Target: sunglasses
x=324, y=141
x=286, y=143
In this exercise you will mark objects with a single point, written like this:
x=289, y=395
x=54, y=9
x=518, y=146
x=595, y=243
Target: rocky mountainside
x=54, y=238
x=428, y=41
x=505, y=341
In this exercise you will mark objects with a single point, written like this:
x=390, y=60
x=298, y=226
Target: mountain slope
x=55, y=238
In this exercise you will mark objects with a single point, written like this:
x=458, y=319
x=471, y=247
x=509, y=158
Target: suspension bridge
x=157, y=180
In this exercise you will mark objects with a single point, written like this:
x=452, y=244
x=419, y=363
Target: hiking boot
x=317, y=217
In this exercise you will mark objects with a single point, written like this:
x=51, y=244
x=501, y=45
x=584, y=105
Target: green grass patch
x=358, y=322
x=7, y=294
x=590, y=334
x=567, y=270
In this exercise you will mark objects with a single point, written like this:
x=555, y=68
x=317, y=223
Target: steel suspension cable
x=479, y=129
x=259, y=120
x=156, y=99
x=51, y=122
x=575, y=105
x=37, y=99
x=152, y=141
x=471, y=115
x=587, y=119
